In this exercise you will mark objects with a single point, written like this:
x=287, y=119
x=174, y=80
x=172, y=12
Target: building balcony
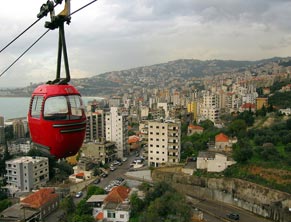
x=172, y=157
x=173, y=150
x=171, y=143
x=173, y=137
x=172, y=130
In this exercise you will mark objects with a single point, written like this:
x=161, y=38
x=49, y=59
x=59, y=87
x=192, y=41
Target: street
x=216, y=211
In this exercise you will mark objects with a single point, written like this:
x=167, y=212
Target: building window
x=111, y=214
x=122, y=216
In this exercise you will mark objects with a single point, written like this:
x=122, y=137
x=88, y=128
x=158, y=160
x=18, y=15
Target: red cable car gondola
x=56, y=116
x=57, y=120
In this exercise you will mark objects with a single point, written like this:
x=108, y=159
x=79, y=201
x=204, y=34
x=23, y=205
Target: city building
x=192, y=107
x=113, y=207
x=260, y=102
x=213, y=162
x=117, y=130
x=164, y=142
x=116, y=205
x=194, y=129
x=95, y=128
x=223, y=142
x=45, y=201
x=26, y=173
x=100, y=151
x=18, y=129
x=2, y=130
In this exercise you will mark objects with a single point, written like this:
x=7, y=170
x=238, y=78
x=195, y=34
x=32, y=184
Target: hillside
x=162, y=75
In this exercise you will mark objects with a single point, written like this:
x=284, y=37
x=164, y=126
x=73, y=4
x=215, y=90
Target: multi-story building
x=117, y=130
x=27, y=173
x=100, y=151
x=192, y=107
x=95, y=129
x=164, y=142
x=2, y=131
x=18, y=129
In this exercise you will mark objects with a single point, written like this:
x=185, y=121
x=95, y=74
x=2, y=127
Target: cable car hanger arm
x=58, y=22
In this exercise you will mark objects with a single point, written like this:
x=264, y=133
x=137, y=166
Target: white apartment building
x=209, y=107
x=164, y=106
x=164, y=142
x=27, y=173
x=116, y=124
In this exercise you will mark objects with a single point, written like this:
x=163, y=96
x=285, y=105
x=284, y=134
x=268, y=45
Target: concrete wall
x=260, y=200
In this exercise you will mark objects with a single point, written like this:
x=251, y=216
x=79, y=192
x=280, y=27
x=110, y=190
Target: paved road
x=215, y=211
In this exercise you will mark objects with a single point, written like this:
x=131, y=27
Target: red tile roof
x=195, y=127
x=133, y=139
x=117, y=194
x=40, y=198
x=221, y=138
x=81, y=174
x=248, y=105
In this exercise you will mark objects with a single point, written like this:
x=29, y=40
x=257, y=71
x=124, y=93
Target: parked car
x=233, y=216
x=112, y=168
x=97, y=181
x=104, y=175
x=79, y=194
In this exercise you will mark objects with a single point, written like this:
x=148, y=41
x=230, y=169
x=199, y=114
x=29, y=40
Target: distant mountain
x=163, y=75
x=160, y=75
x=186, y=68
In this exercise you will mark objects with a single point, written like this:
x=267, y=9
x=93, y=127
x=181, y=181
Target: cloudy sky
x=121, y=34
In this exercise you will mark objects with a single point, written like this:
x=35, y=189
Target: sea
x=17, y=107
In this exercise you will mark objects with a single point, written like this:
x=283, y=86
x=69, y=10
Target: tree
x=238, y=127
x=242, y=152
x=248, y=117
x=94, y=190
x=170, y=207
x=288, y=124
x=206, y=124
x=68, y=205
x=5, y=204
x=137, y=205
x=83, y=218
x=83, y=208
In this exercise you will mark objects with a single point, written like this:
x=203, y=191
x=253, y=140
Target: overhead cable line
x=19, y=35
x=37, y=39
x=24, y=52
x=83, y=7
x=45, y=9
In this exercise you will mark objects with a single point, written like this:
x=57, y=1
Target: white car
x=79, y=194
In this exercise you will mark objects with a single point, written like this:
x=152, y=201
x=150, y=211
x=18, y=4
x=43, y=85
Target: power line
x=40, y=16
x=37, y=39
x=24, y=52
x=83, y=7
x=19, y=35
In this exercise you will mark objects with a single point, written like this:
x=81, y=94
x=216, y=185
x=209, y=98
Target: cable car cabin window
x=36, y=106
x=56, y=108
x=76, y=107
